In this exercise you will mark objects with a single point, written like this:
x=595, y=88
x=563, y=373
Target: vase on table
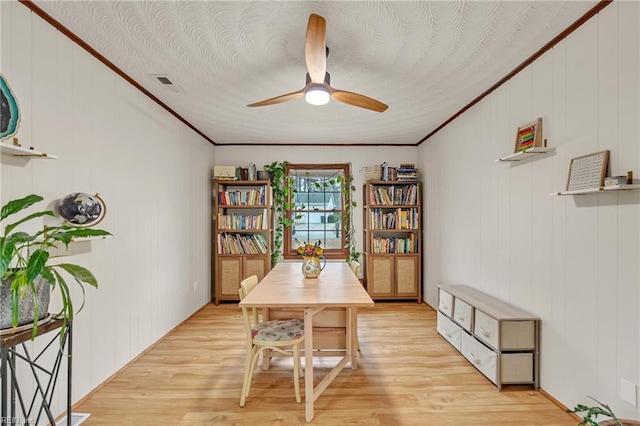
x=311, y=266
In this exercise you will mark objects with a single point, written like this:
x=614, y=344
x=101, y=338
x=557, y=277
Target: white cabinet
x=500, y=340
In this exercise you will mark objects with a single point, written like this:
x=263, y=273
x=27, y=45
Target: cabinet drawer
x=517, y=335
x=486, y=328
x=516, y=368
x=449, y=330
x=483, y=358
x=463, y=314
x=445, y=303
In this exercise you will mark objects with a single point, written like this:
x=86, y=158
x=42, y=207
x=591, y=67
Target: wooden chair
x=355, y=267
x=273, y=335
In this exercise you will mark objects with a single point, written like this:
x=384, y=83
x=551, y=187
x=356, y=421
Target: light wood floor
x=408, y=375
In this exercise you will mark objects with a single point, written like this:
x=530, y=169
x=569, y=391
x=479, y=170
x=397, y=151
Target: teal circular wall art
x=9, y=111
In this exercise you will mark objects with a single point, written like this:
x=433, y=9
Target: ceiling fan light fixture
x=317, y=94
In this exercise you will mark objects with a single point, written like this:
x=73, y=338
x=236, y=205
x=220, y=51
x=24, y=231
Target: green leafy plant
x=348, y=188
x=592, y=412
x=24, y=258
x=283, y=190
x=347, y=221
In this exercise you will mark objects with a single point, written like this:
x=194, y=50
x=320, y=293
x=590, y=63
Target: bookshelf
x=392, y=217
x=241, y=235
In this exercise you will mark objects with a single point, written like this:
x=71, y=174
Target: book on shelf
x=243, y=197
x=401, y=219
x=393, y=195
x=236, y=221
x=235, y=172
x=407, y=172
x=230, y=243
x=396, y=245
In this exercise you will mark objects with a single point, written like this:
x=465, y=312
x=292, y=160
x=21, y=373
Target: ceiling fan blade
x=315, y=49
x=358, y=100
x=279, y=99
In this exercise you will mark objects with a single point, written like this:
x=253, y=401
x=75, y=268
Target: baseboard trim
x=556, y=402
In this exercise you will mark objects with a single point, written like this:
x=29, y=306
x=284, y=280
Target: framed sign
x=588, y=171
x=528, y=136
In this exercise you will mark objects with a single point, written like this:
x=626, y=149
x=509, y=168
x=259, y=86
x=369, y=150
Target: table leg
x=308, y=364
x=352, y=337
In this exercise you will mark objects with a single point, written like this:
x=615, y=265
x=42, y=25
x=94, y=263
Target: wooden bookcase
x=241, y=235
x=392, y=218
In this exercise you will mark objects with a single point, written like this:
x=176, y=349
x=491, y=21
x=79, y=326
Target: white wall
x=151, y=170
x=359, y=157
x=571, y=260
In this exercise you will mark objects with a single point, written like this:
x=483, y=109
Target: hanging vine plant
x=283, y=189
x=347, y=220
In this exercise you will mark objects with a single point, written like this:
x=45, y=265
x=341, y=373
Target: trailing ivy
x=347, y=220
x=283, y=190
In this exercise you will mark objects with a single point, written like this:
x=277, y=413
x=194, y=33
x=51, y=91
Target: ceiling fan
x=317, y=90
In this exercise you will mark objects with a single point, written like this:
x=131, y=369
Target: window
x=318, y=209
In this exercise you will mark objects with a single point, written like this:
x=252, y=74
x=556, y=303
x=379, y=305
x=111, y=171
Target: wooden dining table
x=336, y=287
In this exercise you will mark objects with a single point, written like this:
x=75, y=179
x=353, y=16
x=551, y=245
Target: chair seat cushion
x=278, y=330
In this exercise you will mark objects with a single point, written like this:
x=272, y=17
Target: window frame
x=288, y=251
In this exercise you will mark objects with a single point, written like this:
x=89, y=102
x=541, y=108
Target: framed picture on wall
x=529, y=136
x=588, y=171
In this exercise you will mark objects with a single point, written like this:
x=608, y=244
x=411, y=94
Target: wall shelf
x=518, y=156
x=93, y=238
x=624, y=187
x=9, y=148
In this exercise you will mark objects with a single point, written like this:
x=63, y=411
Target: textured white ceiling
x=425, y=59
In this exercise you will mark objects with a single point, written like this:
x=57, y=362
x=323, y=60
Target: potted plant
x=27, y=276
x=592, y=413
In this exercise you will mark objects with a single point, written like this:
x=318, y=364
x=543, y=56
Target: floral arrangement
x=309, y=250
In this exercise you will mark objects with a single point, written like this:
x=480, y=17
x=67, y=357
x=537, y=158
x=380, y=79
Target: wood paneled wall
x=151, y=170
x=571, y=260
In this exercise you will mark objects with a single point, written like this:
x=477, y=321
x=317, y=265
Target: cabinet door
x=406, y=276
x=380, y=277
x=256, y=265
x=229, y=277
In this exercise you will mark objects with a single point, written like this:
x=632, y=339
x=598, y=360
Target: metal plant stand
x=14, y=350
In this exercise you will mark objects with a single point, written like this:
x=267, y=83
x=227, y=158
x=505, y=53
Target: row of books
x=235, y=221
x=407, y=172
x=235, y=172
x=243, y=197
x=242, y=244
x=405, y=195
x=394, y=245
x=398, y=219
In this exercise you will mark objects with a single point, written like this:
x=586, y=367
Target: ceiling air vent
x=164, y=80
x=167, y=83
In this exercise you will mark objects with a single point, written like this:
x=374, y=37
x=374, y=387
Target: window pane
x=301, y=200
x=333, y=200
x=318, y=202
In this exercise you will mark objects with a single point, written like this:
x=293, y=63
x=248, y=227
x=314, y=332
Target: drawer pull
x=475, y=360
x=461, y=317
x=449, y=335
x=443, y=306
x=485, y=333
